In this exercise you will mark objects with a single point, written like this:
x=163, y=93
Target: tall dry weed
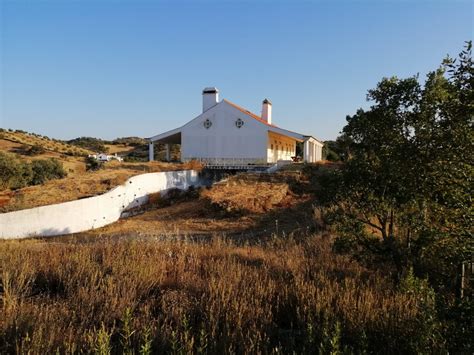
x=122, y=295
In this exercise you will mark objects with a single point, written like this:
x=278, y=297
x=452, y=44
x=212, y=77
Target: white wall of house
x=280, y=147
x=312, y=150
x=223, y=139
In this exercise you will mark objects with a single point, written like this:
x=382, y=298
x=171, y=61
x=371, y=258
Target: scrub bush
x=44, y=170
x=15, y=173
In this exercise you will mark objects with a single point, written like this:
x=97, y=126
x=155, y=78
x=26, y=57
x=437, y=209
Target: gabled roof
x=253, y=115
x=273, y=127
x=175, y=134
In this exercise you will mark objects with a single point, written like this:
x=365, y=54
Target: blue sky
x=113, y=68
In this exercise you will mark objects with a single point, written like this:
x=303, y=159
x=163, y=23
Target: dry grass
x=237, y=195
x=119, y=148
x=191, y=217
x=258, y=193
x=182, y=297
x=46, y=143
x=234, y=207
x=81, y=184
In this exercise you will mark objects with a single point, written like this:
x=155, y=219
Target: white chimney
x=210, y=97
x=267, y=111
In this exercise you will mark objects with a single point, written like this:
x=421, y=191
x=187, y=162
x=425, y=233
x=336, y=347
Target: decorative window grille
x=207, y=124
x=239, y=123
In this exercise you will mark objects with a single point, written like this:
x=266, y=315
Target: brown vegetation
x=177, y=296
x=52, y=145
x=236, y=195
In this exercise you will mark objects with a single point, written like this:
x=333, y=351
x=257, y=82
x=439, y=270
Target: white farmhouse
x=104, y=157
x=227, y=134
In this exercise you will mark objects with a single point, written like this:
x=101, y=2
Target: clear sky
x=113, y=68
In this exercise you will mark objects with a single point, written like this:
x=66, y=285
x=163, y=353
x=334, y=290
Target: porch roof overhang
x=170, y=137
x=297, y=136
x=314, y=140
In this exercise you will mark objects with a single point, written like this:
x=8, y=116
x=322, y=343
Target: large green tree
x=406, y=188
x=404, y=194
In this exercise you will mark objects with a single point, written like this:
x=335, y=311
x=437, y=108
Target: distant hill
x=132, y=141
x=36, y=145
x=90, y=143
x=28, y=140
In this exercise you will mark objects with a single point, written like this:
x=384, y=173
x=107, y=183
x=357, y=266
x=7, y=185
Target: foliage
x=44, y=170
x=93, y=164
x=329, y=151
x=140, y=153
x=410, y=177
x=35, y=149
x=15, y=173
x=404, y=195
x=94, y=144
x=428, y=327
x=338, y=149
x=131, y=141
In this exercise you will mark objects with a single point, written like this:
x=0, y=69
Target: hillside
x=79, y=183
x=51, y=145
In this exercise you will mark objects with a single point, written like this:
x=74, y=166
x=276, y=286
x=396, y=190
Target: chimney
x=210, y=97
x=267, y=111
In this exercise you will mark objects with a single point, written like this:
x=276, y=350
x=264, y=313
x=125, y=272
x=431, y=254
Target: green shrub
x=332, y=156
x=427, y=327
x=44, y=170
x=94, y=144
x=93, y=164
x=14, y=174
x=35, y=150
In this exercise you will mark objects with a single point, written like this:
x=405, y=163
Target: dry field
x=112, y=294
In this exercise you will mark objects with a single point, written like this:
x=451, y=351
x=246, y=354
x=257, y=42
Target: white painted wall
x=223, y=139
x=267, y=111
x=93, y=212
x=210, y=97
x=312, y=150
x=280, y=147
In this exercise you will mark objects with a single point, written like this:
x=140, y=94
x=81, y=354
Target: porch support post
x=167, y=147
x=306, y=151
x=151, y=153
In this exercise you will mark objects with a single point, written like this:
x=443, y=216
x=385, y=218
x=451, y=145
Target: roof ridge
x=253, y=115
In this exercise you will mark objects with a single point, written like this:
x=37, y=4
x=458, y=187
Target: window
x=207, y=123
x=239, y=123
x=271, y=146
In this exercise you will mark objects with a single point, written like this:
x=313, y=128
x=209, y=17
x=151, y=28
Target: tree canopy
x=405, y=190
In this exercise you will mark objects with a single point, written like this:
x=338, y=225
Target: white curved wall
x=93, y=212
